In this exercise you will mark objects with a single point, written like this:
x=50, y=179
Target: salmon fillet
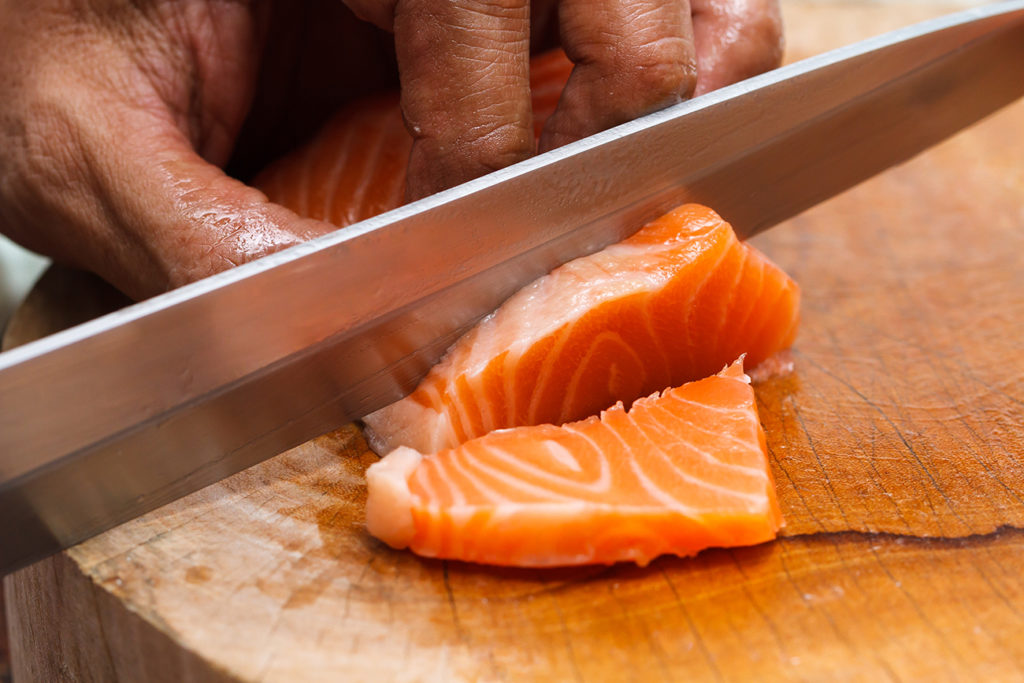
x=681, y=471
x=354, y=168
x=673, y=303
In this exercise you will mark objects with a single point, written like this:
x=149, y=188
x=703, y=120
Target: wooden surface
x=5, y=652
x=896, y=445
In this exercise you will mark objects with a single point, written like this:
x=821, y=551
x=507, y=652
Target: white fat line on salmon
x=744, y=445
x=507, y=478
x=754, y=471
x=521, y=312
x=454, y=465
x=605, y=480
x=571, y=509
x=377, y=144
x=538, y=291
x=581, y=368
x=740, y=329
x=477, y=394
x=437, y=388
x=600, y=485
x=696, y=292
x=735, y=439
x=659, y=452
x=561, y=455
x=427, y=484
x=508, y=377
x=525, y=469
x=544, y=375
x=755, y=337
x=728, y=304
x=658, y=343
x=652, y=489
x=443, y=418
x=656, y=492
x=462, y=407
x=469, y=466
x=745, y=418
x=340, y=156
x=726, y=411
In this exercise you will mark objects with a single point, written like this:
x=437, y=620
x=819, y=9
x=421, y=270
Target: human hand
x=468, y=106
x=116, y=117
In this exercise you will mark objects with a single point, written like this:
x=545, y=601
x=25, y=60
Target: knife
x=112, y=418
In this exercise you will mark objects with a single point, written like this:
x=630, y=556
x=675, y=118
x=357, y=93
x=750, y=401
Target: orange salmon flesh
x=679, y=472
x=675, y=302
x=477, y=470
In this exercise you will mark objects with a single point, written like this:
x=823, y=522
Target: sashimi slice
x=673, y=303
x=681, y=471
x=352, y=170
x=355, y=167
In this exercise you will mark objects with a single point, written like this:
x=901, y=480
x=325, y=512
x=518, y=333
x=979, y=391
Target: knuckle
x=44, y=154
x=443, y=162
x=663, y=70
x=486, y=117
x=493, y=8
x=499, y=145
x=46, y=190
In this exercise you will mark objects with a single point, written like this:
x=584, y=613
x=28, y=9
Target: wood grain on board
x=896, y=445
x=5, y=650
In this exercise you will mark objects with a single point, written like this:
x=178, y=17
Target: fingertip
x=595, y=101
x=191, y=220
x=464, y=69
x=224, y=223
x=631, y=59
x=736, y=41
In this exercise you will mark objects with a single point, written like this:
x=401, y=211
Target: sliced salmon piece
x=681, y=471
x=673, y=303
x=354, y=168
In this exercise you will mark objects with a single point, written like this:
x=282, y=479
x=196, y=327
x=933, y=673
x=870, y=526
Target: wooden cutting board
x=897, y=445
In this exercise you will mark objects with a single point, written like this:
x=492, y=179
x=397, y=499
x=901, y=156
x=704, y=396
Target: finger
x=99, y=130
x=197, y=220
x=464, y=71
x=124, y=195
x=735, y=39
x=632, y=57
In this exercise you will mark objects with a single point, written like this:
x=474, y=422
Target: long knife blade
x=115, y=417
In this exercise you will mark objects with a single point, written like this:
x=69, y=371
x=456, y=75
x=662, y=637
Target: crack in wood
x=1000, y=532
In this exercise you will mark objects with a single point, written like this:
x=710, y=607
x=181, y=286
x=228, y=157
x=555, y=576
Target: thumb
x=192, y=220
x=187, y=218
x=120, y=191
